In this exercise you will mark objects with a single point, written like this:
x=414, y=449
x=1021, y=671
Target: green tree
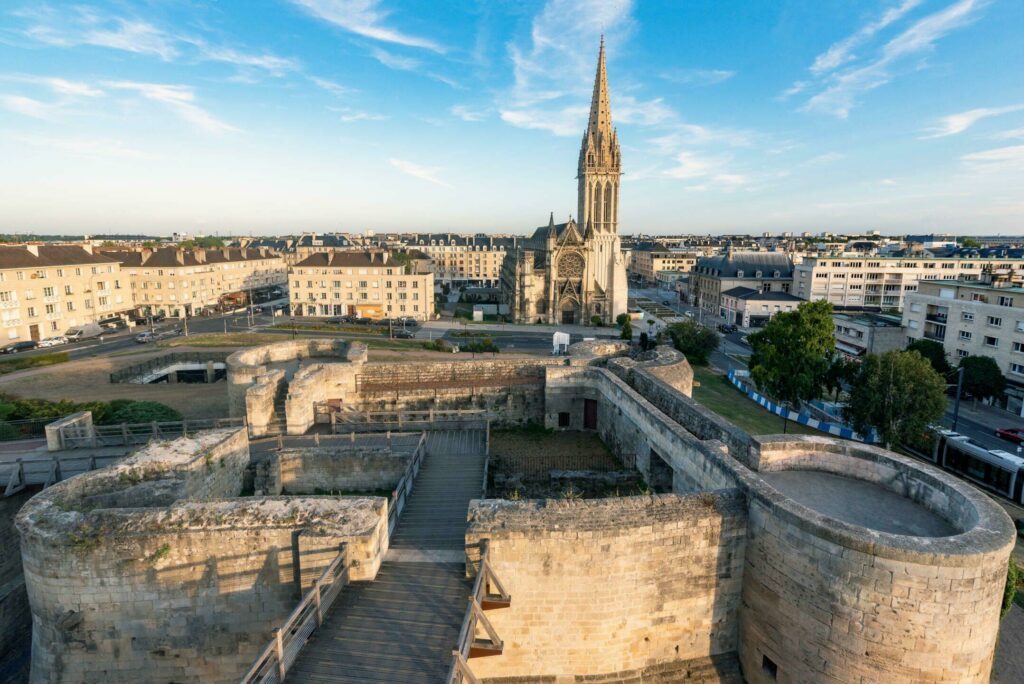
x=969, y=242
x=621, y=319
x=627, y=331
x=694, y=340
x=840, y=371
x=129, y=411
x=982, y=377
x=792, y=355
x=934, y=352
x=897, y=393
x=595, y=321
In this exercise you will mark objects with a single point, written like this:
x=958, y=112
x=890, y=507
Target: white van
x=86, y=331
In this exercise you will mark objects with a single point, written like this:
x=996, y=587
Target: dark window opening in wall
x=563, y=419
x=769, y=667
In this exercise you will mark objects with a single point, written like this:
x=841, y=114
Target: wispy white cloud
x=998, y=160
x=411, y=64
x=59, y=86
x=843, y=88
x=349, y=115
x=427, y=173
x=795, y=89
x=364, y=18
x=179, y=99
x=842, y=52
x=958, y=123
x=1011, y=134
x=887, y=182
x=86, y=26
x=697, y=77
x=705, y=173
x=565, y=121
x=468, y=114
x=27, y=106
x=332, y=87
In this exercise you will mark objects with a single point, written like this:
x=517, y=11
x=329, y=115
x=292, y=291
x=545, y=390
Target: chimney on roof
x=179, y=257
x=227, y=253
x=87, y=247
x=200, y=255
x=146, y=253
x=33, y=249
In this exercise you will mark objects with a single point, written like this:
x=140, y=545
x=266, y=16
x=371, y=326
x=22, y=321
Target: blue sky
x=273, y=116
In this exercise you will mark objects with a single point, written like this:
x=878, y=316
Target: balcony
x=55, y=316
x=10, y=305
x=51, y=299
x=938, y=336
x=941, y=319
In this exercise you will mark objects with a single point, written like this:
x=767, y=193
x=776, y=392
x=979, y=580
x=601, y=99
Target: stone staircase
x=402, y=626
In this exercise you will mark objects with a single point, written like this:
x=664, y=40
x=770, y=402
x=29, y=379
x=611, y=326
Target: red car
x=1015, y=435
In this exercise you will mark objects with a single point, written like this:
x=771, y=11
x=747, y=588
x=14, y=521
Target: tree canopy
x=208, y=242
x=627, y=330
x=898, y=394
x=792, y=355
x=982, y=377
x=694, y=340
x=934, y=352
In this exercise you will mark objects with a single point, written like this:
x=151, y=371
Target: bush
x=1013, y=577
x=693, y=340
x=595, y=321
x=17, y=364
x=103, y=412
x=622, y=319
x=437, y=345
x=627, y=331
x=128, y=411
x=484, y=346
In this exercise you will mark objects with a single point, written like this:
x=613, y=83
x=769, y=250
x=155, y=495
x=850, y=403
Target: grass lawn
x=23, y=362
x=719, y=395
x=223, y=340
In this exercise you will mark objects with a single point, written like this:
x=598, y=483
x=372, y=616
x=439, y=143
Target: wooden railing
x=482, y=599
x=84, y=436
x=404, y=487
x=288, y=640
x=49, y=470
x=377, y=421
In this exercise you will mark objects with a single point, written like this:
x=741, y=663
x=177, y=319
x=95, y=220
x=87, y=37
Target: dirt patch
x=533, y=463
x=89, y=380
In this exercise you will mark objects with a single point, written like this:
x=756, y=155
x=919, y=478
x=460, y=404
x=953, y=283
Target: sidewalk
x=584, y=330
x=989, y=416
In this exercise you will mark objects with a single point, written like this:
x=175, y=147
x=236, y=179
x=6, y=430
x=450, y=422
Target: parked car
x=53, y=341
x=404, y=334
x=113, y=324
x=83, y=332
x=362, y=320
x=727, y=328
x=19, y=347
x=1015, y=435
x=144, y=337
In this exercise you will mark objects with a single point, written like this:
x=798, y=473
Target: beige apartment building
x=881, y=283
x=46, y=289
x=647, y=261
x=363, y=284
x=974, y=318
x=184, y=281
x=473, y=260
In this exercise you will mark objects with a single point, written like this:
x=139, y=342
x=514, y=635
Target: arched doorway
x=570, y=309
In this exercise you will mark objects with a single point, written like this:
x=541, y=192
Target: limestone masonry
x=767, y=559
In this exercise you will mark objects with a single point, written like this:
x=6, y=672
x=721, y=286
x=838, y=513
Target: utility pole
x=959, y=390
x=184, y=319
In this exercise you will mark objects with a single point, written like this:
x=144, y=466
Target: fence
x=468, y=645
x=146, y=367
x=284, y=647
x=48, y=470
x=13, y=430
x=378, y=421
x=404, y=487
x=736, y=378
x=126, y=434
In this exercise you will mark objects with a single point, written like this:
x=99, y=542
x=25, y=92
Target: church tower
x=599, y=165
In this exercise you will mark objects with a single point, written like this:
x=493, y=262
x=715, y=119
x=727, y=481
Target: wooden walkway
x=402, y=626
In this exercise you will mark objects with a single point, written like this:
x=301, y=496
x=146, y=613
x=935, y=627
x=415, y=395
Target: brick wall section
x=327, y=469
x=603, y=586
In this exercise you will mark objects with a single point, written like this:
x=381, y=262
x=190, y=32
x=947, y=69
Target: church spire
x=600, y=123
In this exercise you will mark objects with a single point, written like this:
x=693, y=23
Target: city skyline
x=353, y=115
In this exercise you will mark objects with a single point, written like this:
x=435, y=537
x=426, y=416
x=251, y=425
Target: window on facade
x=966, y=316
x=960, y=353
x=1005, y=301
x=1017, y=368
x=994, y=321
x=47, y=291
x=965, y=335
x=991, y=341
x=1018, y=347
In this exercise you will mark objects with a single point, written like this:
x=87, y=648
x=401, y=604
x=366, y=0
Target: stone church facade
x=568, y=273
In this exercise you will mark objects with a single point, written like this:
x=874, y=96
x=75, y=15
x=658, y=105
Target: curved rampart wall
x=140, y=572
x=612, y=586
x=664, y=363
x=827, y=600
x=245, y=365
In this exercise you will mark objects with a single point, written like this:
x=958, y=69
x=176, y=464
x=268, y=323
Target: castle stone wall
x=328, y=469
x=612, y=585
x=144, y=572
x=260, y=400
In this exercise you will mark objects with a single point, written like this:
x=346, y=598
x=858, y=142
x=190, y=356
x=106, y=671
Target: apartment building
x=863, y=333
x=749, y=308
x=185, y=281
x=646, y=261
x=363, y=284
x=881, y=283
x=473, y=260
x=46, y=289
x=758, y=271
x=974, y=318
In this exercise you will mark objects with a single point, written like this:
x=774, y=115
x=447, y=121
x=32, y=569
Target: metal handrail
x=273, y=662
x=73, y=436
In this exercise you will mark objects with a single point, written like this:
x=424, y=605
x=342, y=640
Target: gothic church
x=571, y=272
